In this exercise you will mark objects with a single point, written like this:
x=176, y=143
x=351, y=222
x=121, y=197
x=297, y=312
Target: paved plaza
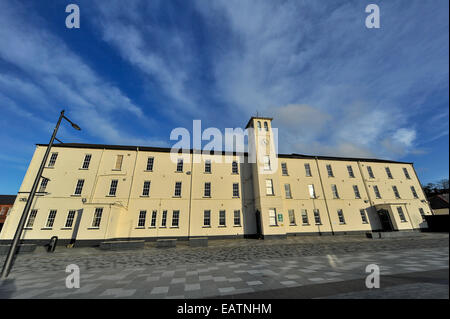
x=297, y=267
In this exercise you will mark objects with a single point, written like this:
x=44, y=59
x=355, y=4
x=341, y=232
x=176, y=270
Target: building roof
x=7, y=199
x=439, y=201
x=167, y=150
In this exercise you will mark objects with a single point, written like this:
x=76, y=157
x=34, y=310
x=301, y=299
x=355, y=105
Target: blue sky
x=137, y=69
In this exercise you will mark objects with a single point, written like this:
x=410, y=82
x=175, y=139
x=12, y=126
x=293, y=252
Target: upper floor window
x=413, y=191
x=180, y=165
x=369, y=170
x=335, y=191
x=405, y=171
x=113, y=187
x=312, y=192
x=341, y=216
x=308, y=169
x=235, y=189
x=79, y=187
x=146, y=188
x=396, y=193
x=330, y=170
x=87, y=161
x=207, y=190
x=388, y=172
x=287, y=189
x=284, y=169
x=267, y=163
x=208, y=166
x=376, y=191
x=356, y=190
x=150, y=162
x=52, y=161
x=43, y=186
x=350, y=171
x=51, y=219
x=266, y=127
x=401, y=214
x=269, y=187
x=234, y=168
x=97, y=217
x=177, y=189
x=119, y=160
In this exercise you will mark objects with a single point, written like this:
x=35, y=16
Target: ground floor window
x=272, y=217
x=305, y=217
x=97, y=217
x=222, y=219
x=153, y=222
x=341, y=216
x=401, y=214
x=422, y=213
x=207, y=218
x=164, y=218
x=291, y=217
x=142, y=216
x=363, y=216
x=175, y=218
x=31, y=218
x=51, y=219
x=237, y=218
x=317, y=219
x=70, y=218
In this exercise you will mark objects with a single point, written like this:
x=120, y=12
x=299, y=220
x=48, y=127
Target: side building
x=91, y=193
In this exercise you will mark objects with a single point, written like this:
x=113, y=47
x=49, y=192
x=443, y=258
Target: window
x=97, y=217
x=291, y=217
x=70, y=218
x=317, y=219
x=401, y=214
x=266, y=127
x=235, y=189
x=272, y=217
x=177, y=189
x=43, y=186
x=350, y=171
x=388, y=172
x=267, y=163
x=422, y=213
x=259, y=125
x=150, y=162
x=146, y=188
x=308, y=170
x=31, y=218
x=222, y=219
x=341, y=216
x=330, y=171
x=119, y=160
x=356, y=190
x=208, y=166
x=234, y=168
x=207, y=218
x=142, y=216
x=287, y=189
x=207, y=191
x=305, y=217
x=363, y=216
x=164, y=219
x=405, y=171
x=413, y=190
x=377, y=191
x=180, y=165
x=284, y=169
x=396, y=193
x=237, y=218
x=369, y=170
x=269, y=187
x=335, y=191
x=312, y=192
x=175, y=218
x=52, y=161
x=87, y=161
x=153, y=221
x=113, y=187
x=51, y=219
x=79, y=187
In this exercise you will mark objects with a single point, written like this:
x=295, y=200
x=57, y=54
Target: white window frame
x=269, y=187
x=273, y=217
x=79, y=187
x=150, y=164
x=141, y=219
x=70, y=218
x=146, y=188
x=177, y=192
x=86, y=161
x=113, y=187
x=51, y=218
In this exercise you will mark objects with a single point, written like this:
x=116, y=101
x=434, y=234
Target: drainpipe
x=190, y=193
x=324, y=197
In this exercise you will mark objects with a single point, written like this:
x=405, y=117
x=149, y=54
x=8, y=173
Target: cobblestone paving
x=223, y=268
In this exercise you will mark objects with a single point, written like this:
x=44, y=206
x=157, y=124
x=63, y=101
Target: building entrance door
x=385, y=220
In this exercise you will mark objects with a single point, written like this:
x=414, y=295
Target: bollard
x=51, y=246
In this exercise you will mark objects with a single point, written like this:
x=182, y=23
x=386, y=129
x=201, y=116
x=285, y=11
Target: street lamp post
x=14, y=246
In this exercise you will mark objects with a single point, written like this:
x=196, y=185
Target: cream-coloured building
x=92, y=193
